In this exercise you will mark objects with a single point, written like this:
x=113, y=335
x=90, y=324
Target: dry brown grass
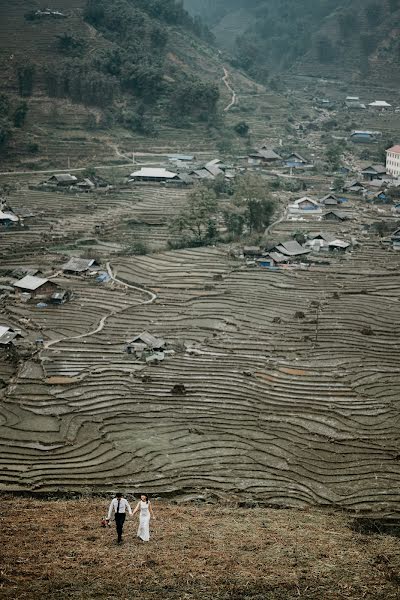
x=56, y=549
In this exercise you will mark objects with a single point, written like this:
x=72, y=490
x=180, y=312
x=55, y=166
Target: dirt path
x=153, y=296
x=233, y=101
x=103, y=320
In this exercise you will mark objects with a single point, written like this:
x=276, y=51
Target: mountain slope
x=331, y=37
x=120, y=68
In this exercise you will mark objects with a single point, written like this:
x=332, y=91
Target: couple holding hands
x=119, y=506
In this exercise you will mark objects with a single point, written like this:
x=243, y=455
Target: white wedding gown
x=144, y=522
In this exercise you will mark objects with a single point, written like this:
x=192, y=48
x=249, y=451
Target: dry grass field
x=56, y=549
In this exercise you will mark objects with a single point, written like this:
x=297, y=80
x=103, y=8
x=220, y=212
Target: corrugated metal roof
x=157, y=173
x=148, y=339
x=8, y=216
x=64, y=178
x=7, y=335
x=291, y=248
x=184, y=157
x=380, y=103
x=29, y=282
x=78, y=265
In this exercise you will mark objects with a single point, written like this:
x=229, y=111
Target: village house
x=251, y=251
x=79, y=266
x=8, y=335
x=86, y=185
x=354, y=187
x=305, y=206
x=37, y=288
x=211, y=170
x=181, y=158
x=329, y=200
x=365, y=137
x=291, y=250
x=264, y=157
x=324, y=102
x=335, y=215
x=393, y=161
x=354, y=103
x=153, y=175
x=147, y=347
x=295, y=161
x=8, y=219
x=326, y=241
x=380, y=105
x=372, y=172
x=62, y=180
x=395, y=239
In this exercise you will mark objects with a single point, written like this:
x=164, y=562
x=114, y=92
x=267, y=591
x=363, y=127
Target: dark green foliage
x=242, y=128
x=281, y=33
x=196, y=224
x=5, y=122
x=33, y=148
x=325, y=50
x=25, y=77
x=5, y=132
x=374, y=14
x=75, y=80
x=19, y=114
x=139, y=33
x=194, y=97
x=70, y=45
x=251, y=208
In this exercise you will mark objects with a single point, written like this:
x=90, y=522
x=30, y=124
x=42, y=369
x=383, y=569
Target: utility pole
x=133, y=158
x=69, y=163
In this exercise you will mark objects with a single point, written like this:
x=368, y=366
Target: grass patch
x=56, y=549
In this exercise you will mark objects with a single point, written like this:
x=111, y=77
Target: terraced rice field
x=292, y=377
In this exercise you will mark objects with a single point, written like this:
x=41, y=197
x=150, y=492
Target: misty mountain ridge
x=328, y=38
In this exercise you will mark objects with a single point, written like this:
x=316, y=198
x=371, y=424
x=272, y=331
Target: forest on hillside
x=274, y=35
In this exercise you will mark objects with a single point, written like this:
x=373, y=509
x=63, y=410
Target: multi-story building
x=393, y=161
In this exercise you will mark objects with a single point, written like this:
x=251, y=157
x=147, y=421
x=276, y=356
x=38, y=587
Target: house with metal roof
x=146, y=345
x=365, y=137
x=38, y=288
x=305, y=206
x=290, y=249
x=77, y=266
x=152, y=174
x=8, y=335
x=380, y=105
x=264, y=156
x=336, y=215
x=62, y=179
x=371, y=172
x=329, y=200
x=295, y=161
x=8, y=219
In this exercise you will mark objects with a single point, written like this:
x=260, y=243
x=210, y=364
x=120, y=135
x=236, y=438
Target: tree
x=333, y=155
x=251, y=206
x=20, y=113
x=25, y=76
x=197, y=222
x=242, y=128
x=374, y=14
x=325, y=50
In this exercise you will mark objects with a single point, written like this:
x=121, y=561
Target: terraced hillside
x=290, y=382
x=59, y=130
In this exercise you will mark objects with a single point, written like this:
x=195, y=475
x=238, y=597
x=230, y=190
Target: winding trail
x=234, y=99
x=153, y=297
x=100, y=326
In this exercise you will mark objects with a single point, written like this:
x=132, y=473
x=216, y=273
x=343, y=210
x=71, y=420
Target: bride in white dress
x=146, y=510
